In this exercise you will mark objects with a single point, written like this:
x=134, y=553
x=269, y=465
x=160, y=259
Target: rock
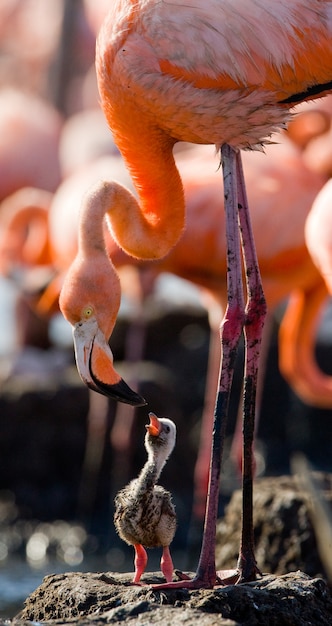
x=285, y=538
x=98, y=598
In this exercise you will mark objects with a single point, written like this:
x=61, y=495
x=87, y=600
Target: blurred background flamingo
x=318, y=233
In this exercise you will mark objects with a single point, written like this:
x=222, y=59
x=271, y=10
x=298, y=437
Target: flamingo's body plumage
x=226, y=73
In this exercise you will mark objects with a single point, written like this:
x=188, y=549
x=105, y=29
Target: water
x=31, y=550
x=18, y=579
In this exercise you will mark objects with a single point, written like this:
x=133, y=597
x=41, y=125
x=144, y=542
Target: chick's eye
x=87, y=312
x=167, y=429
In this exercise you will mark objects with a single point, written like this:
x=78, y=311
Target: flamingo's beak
x=154, y=428
x=94, y=361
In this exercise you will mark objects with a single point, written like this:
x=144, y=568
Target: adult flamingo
x=226, y=74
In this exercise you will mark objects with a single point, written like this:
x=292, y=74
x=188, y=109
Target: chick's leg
x=141, y=559
x=166, y=564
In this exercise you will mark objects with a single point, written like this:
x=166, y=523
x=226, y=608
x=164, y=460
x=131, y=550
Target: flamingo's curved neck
x=149, y=228
x=146, y=228
x=91, y=224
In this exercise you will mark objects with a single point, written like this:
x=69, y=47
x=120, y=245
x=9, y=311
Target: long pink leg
x=237, y=317
x=166, y=564
x=141, y=559
x=201, y=471
x=255, y=314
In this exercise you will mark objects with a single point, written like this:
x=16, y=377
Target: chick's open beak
x=154, y=427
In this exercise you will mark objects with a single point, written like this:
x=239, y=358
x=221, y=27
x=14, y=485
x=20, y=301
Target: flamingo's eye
x=87, y=312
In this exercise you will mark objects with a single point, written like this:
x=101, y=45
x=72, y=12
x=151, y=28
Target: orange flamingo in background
x=311, y=130
x=30, y=130
x=318, y=236
x=84, y=140
x=24, y=237
x=318, y=233
x=25, y=258
x=169, y=75
x=96, y=11
x=29, y=38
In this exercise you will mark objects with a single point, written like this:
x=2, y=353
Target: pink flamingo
x=25, y=258
x=318, y=237
x=24, y=238
x=318, y=233
x=169, y=75
x=30, y=130
x=311, y=130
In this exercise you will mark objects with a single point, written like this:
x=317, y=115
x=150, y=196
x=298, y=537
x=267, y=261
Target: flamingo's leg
x=141, y=559
x=230, y=332
x=166, y=564
x=255, y=314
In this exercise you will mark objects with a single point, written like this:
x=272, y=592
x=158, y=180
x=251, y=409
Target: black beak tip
x=119, y=391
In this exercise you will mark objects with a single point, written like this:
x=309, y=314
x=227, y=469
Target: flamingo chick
x=144, y=512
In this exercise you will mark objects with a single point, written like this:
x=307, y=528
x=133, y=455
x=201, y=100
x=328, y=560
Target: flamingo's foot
x=200, y=581
x=246, y=572
x=190, y=583
x=248, y=577
x=222, y=578
x=227, y=577
x=248, y=569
